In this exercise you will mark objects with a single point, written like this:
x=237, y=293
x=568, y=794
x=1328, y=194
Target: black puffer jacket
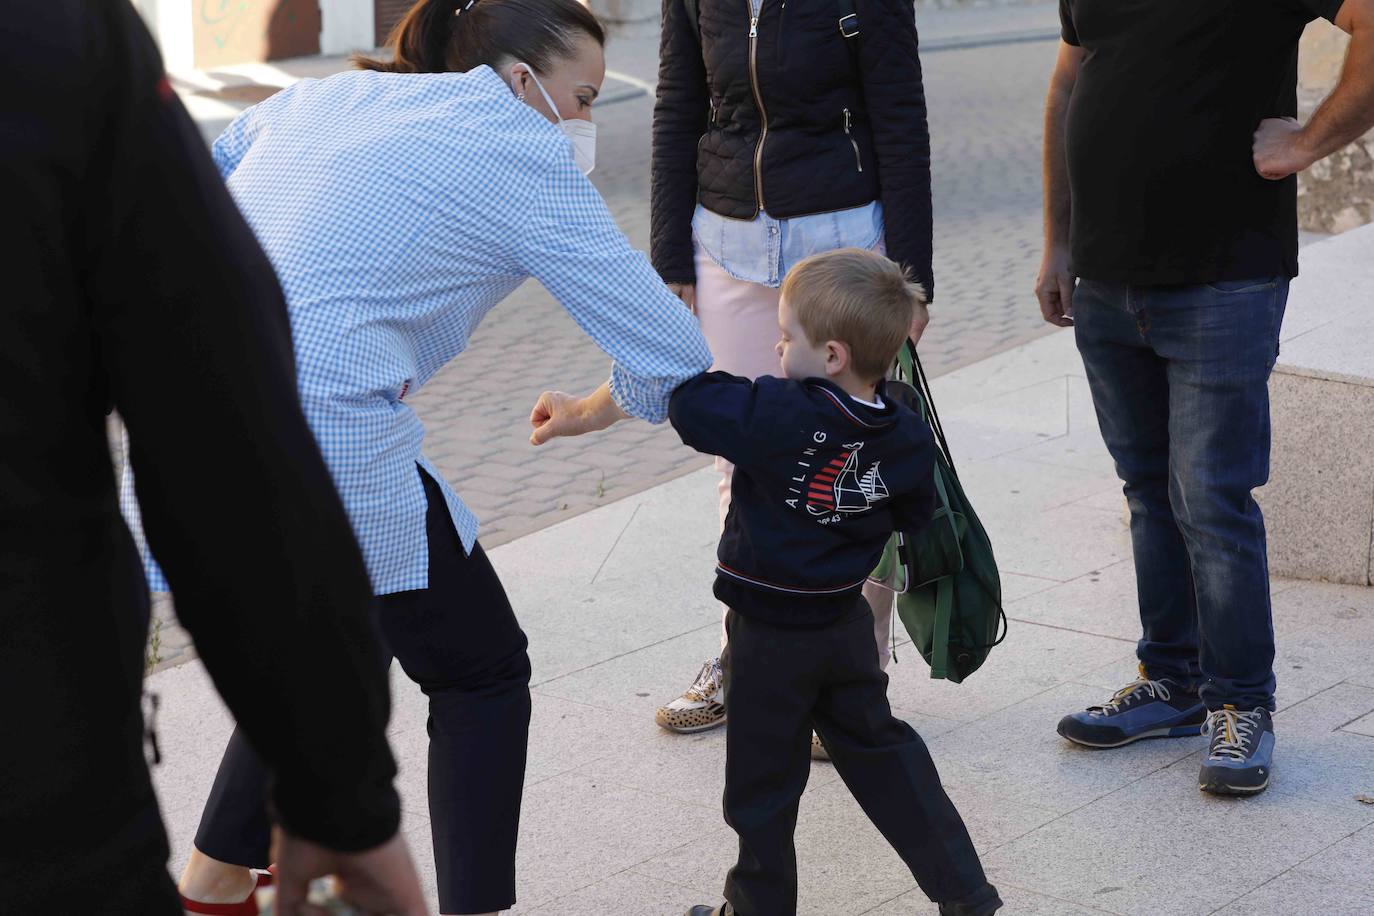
x=795, y=120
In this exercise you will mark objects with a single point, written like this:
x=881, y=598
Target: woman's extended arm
x=572, y=245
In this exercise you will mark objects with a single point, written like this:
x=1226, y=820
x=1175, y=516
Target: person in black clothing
x=826, y=469
x=1171, y=147
x=756, y=100
x=132, y=282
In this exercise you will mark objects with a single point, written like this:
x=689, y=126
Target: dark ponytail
x=454, y=36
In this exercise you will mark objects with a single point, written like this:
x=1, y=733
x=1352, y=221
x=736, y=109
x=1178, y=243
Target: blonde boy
x=827, y=467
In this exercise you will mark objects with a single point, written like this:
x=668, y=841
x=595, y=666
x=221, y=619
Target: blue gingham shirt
x=398, y=209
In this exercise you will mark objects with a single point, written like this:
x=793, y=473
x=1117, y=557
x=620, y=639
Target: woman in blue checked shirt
x=398, y=205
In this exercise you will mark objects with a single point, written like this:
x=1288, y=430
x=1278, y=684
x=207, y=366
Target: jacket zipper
x=858, y=161
x=758, y=100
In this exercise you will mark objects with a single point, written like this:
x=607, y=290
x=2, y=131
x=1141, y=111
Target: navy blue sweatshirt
x=821, y=481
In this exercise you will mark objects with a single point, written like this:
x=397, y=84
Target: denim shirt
x=763, y=249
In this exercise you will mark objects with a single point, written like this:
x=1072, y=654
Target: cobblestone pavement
x=985, y=112
x=985, y=75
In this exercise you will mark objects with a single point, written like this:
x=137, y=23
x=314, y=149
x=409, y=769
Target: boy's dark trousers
x=780, y=682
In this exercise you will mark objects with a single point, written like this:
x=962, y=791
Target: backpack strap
x=849, y=22
x=922, y=385
x=939, y=641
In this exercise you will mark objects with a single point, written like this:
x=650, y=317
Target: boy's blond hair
x=856, y=297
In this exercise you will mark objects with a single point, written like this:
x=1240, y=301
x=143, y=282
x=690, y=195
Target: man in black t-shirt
x=1171, y=153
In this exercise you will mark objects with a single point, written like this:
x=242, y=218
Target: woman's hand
x=687, y=292
x=557, y=414
x=919, y=321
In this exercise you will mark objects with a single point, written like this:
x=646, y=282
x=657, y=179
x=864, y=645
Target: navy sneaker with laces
x=1240, y=754
x=1143, y=708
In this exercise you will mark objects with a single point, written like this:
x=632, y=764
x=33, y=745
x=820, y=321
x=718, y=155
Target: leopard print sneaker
x=701, y=708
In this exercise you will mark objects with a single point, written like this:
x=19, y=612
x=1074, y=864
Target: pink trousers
x=740, y=322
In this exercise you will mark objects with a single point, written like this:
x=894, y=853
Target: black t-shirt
x=1160, y=137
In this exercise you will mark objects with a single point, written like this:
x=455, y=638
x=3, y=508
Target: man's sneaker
x=705, y=909
x=1240, y=756
x=1142, y=709
x=700, y=708
x=982, y=902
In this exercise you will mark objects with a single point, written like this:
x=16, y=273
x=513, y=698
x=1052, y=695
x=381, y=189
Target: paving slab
x=1154, y=847
x=843, y=864
x=1028, y=762
x=1019, y=902
x=577, y=829
x=1033, y=660
x=1102, y=603
x=643, y=680
x=622, y=817
x=629, y=889
x=1349, y=861
x=1297, y=892
x=575, y=735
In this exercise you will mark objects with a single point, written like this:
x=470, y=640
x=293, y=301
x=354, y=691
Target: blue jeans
x=1179, y=377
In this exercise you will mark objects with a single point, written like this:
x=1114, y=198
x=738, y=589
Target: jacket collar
x=859, y=414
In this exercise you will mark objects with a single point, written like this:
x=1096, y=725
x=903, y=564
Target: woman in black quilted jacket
x=782, y=128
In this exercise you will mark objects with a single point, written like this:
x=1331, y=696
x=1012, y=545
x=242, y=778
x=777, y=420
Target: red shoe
x=247, y=907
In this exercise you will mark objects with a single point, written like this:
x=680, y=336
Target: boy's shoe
x=1240, y=756
x=705, y=909
x=1142, y=709
x=702, y=707
x=982, y=902
x=818, y=751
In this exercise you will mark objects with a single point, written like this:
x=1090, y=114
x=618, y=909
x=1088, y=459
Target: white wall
x=347, y=25
x=170, y=23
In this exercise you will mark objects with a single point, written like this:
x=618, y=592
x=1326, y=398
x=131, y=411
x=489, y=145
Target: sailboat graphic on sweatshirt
x=840, y=487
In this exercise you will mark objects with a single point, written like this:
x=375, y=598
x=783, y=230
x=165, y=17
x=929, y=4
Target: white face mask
x=581, y=134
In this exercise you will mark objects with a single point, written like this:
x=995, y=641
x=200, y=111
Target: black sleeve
x=1326, y=9
x=679, y=121
x=1066, y=27
x=721, y=414
x=890, y=69
x=236, y=500
x=912, y=511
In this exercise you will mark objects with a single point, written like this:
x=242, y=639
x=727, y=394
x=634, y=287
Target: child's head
x=845, y=311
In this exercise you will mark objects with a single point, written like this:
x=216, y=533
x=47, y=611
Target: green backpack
x=949, y=595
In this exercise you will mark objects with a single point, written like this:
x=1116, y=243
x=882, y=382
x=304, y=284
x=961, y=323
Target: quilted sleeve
x=890, y=70
x=679, y=121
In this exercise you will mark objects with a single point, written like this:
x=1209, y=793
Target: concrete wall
x=1319, y=503
x=238, y=31
x=347, y=26
x=170, y=23
x=210, y=33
